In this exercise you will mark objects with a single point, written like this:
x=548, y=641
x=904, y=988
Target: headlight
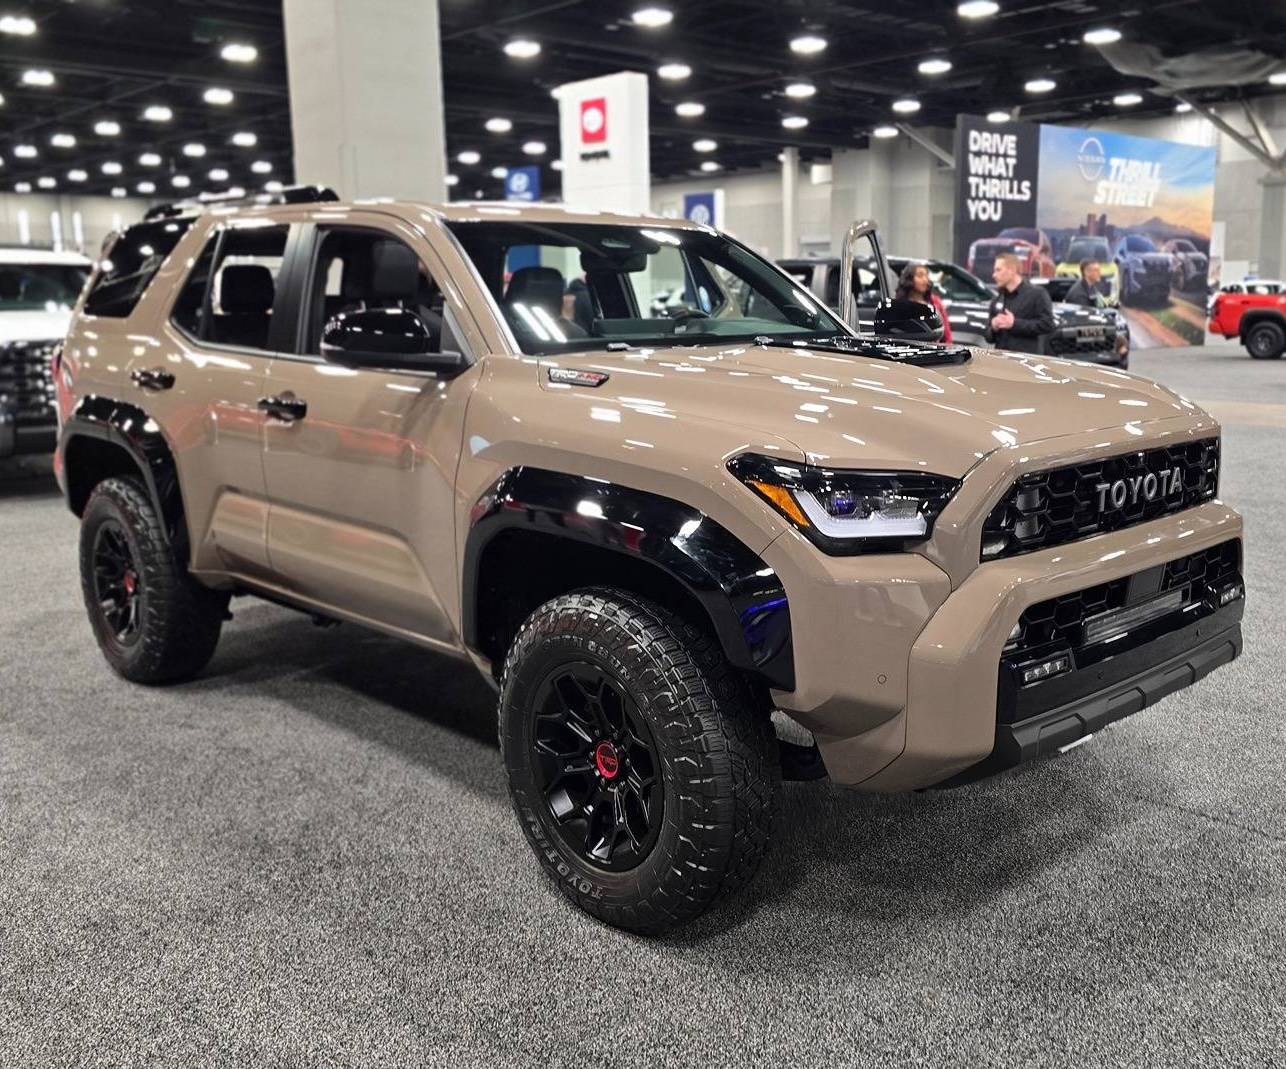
x=848, y=511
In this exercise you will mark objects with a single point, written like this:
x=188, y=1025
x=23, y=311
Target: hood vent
x=920, y=354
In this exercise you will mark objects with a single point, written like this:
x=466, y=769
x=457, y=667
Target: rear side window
x=131, y=265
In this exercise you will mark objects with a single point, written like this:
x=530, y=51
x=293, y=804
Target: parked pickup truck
x=1255, y=314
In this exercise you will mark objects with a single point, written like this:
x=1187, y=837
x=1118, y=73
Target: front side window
x=40, y=287
x=131, y=264
x=584, y=285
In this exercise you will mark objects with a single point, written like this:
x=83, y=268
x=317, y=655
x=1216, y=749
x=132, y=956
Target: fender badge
x=570, y=376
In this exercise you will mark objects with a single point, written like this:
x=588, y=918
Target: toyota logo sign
x=593, y=120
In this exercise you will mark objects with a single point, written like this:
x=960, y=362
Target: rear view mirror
x=393, y=339
x=908, y=320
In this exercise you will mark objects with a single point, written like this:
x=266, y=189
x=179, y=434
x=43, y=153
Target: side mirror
x=392, y=339
x=908, y=320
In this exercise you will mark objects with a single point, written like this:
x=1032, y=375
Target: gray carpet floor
x=306, y=857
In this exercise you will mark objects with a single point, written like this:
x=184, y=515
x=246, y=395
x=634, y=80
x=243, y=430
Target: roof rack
x=288, y=195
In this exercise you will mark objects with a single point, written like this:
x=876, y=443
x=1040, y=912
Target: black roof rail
x=288, y=195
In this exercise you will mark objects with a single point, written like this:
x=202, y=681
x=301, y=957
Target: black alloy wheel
x=116, y=583
x=597, y=766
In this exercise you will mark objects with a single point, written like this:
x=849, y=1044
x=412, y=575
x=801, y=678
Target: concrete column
x=862, y=188
x=1272, y=226
x=366, y=96
x=790, y=202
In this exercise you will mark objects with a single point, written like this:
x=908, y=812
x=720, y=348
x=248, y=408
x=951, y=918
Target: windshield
x=1019, y=233
x=40, y=287
x=1138, y=243
x=956, y=284
x=569, y=286
x=1087, y=249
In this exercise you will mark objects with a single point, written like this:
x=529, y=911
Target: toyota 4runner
x=649, y=529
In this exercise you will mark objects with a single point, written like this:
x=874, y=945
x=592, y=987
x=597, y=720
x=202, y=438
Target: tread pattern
x=718, y=751
x=181, y=619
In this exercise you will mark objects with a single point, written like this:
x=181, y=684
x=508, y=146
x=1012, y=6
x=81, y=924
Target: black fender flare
x=1253, y=316
x=743, y=596
x=133, y=430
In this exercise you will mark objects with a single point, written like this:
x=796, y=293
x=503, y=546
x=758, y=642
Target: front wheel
x=1265, y=341
x=640, y=770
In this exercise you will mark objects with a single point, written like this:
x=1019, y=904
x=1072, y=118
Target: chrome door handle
x=152, y=378
x=285, y=407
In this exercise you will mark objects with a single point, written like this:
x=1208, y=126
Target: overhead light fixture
x=1041, y=85
x=111, y=167
x=26, y=152
x=1127, y=100
x=194, y=149
x=146, y=188
x=1277, y=79
x=522, y=48
x=180, y=181
x=218, y=174
x=800, y=90
x=217, y=95
x=1104, y=35
x=77, y=175
x=689, y=109
x=63, y=140
x=1182, y=108
x=150, y=159
x=705, y=144
x=977, y=9
x=1, y=100
x=500, y=172
x=794, y=122
x=157, y=113
x=245, y=139
x=120, y=191
x=534, y=148
x=807, y=44
x=40, y=78
x=652, y=18
x=261, y=167
x=469, y=158
x=674, y=72
x=47, y=183
x=998, y=116
x=236, y=52
x=936, y=65
x=17, y=25
x=906, y=106
x=107, y=128
x=22, y=187
x=710, y=165
x=556, y=165
x=499, y=125
x=273, y=186
x=453, y=180
x=884, y=132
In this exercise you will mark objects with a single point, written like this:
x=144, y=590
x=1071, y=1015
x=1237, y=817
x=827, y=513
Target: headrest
x=541, y=286
x=246, y=289
x=395, y=272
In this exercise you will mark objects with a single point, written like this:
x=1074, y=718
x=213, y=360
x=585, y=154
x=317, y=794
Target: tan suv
x=641, y=479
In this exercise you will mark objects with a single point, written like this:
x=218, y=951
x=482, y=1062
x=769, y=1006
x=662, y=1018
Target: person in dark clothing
x=1022, y=315
x=578, y=306
x=1086, y=292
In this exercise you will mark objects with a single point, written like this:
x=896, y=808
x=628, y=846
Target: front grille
x=1059, y=621
x=27, y=382
x=1061, y=505
x=1092, y=340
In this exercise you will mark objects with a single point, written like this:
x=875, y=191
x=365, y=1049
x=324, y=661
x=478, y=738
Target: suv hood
x=34, y=326
x=847, y=409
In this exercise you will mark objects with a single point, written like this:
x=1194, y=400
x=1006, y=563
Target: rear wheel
x=153, y=622
x=1265, y=341
x=640, y=770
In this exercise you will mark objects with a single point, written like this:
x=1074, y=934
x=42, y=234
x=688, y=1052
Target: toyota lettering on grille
x=1147, y=487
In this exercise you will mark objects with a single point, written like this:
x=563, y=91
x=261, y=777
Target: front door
x=360, y=464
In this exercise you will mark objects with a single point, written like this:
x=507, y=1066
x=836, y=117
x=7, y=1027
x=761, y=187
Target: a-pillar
x=1272, y=227
x=366, y=96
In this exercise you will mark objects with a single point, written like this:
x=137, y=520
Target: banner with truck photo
x=1057, y=195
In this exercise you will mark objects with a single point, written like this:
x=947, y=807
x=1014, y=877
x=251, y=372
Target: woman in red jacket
x=914, y=284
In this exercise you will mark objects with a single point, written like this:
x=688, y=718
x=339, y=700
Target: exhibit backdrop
x=1057, y=195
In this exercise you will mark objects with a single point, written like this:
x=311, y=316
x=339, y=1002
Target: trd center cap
x=607, y=760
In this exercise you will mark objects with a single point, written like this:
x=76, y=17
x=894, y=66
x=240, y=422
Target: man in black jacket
x=1022, y=315
x=1086, y=292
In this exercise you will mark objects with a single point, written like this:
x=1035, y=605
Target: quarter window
x=130, y=266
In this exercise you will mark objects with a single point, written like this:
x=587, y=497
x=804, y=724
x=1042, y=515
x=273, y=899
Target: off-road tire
x=717, y=752
x=1265, y=341
x=178, y=620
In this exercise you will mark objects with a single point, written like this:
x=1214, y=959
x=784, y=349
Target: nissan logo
x=1091, y=158
x=1138, y=488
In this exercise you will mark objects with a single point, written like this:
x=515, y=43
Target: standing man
x=1086, y=292
x=1022, y=315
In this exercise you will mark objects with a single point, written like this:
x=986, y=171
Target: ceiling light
x=674, y=72
x=997, y=116
x=652, y=18
x=705, y=144
x=150, y=159
x=63, y=141
x=500, y=172
x=1127, y=100
x=807, y=44
x=934, y=66
x=25, y=152
x=111, y=167
x=1277, y=79
x=217, y=95
x=1183, y=107
x=157, y=113
x=556, y=165
x=77, y=175
x=180, y=181
x=885, y=131
x=245, y=139
x=710, y=165
x=107, y=128
x=977, y=9
x=800, y=90
x=120, y=191
x=522, y=48
x=499, y=125
x=146, y=187
x=453, y=180
x=47, y=183
x=17, y=25
x=689, y=109
x=261, y=167
x=273, y=186
x=40, y=78
x=22, y=187
x=794, y=122
x=194, y=149
x=906, y=106
x=469, y=158
x=1, y=99
x=218, y=174
x=1041, y=85
x=239, y=53
x=534, y=148
x=1104, y=35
